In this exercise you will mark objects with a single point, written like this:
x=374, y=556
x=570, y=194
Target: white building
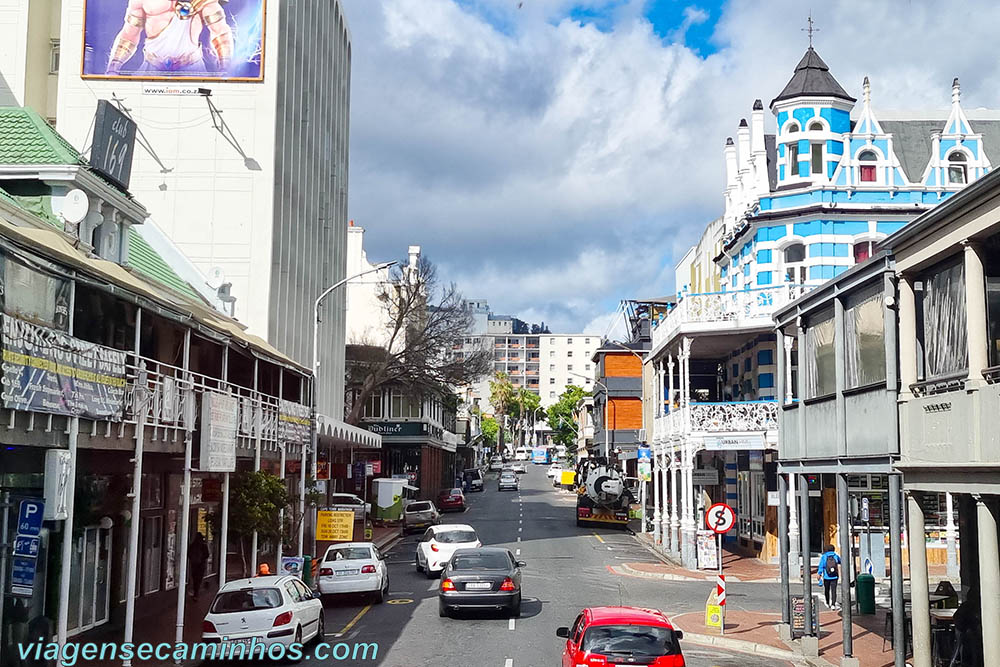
x=368, y=321
x=247, y=175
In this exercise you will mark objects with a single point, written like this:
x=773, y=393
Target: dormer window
x=867, y=168
x=958, y=173
x=815, y=127
x=793, y=128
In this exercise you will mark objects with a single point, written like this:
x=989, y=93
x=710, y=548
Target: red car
x=451, y=499
x=621, y=636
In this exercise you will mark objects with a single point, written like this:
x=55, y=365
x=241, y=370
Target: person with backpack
x=829, y=574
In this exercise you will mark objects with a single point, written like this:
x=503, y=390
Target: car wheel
x=379, y=596
x=298, y=640
x=416, y=562
x=320, y=629
x=442, y=610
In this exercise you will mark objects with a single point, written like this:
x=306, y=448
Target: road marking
x=509, y=662
x=518, y=538
x=517, y=553
x=400, y=601
x=600, y=539
x=520, y=521
x=432, y=587
x=510, y=624
x=519, y=530
x=344, y=631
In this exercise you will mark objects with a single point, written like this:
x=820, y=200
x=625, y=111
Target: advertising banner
x=708, y=552
x=45, y=370
x=174, y=40
x=294, y=424
x=219, y=415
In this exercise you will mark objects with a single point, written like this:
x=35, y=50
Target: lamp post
x=314, y=435
x=607, y=399
x=534, y=431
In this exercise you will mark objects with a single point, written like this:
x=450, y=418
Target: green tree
x=490, y=430
x=501, y=397
x=256, y=500
x=522, y=409
x=561, y=418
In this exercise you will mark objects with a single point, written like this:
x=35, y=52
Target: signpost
x=720, y=518
x=26, y=547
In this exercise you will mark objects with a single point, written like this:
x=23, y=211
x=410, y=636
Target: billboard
x=198, y=40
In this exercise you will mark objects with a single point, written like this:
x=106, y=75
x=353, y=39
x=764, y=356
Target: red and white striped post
x=720, y=517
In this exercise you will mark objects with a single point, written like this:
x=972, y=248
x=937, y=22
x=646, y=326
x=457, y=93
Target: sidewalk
x=736, y=567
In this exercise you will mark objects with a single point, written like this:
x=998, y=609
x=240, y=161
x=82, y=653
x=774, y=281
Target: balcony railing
x=738, y=309
x=715, y=418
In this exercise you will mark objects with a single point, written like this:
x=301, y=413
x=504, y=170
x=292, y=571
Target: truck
x=602, y=495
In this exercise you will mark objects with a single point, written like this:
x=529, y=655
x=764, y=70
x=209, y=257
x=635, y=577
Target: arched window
x=815, y=126
x=795, y=253
x=958, y=173
x=867, y=170
x=792, y=258
x=793, y=128
x=863, y=250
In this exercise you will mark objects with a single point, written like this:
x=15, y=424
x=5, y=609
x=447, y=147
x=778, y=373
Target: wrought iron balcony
x=717, y=418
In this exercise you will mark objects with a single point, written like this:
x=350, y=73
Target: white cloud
x=692, y=16
x=555, y=169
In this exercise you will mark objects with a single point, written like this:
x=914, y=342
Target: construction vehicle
x=602, y=496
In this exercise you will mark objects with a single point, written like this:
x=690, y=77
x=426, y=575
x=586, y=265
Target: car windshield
x=418, y=507
x=344, y=500
x=455, y=536
x=349, y=553
x=630, y=640
x=481, y=561
x=247, y=599
x=473, y=474
x=507, y=475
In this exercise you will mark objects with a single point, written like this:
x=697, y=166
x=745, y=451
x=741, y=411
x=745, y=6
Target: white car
x=353, y=567
x=351, y=500
x=440, y=542
x=272, y=610
x=554, y=471
x=519, y=468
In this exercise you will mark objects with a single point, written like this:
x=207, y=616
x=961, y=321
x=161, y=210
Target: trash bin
x=866, y=594
x=307, y=570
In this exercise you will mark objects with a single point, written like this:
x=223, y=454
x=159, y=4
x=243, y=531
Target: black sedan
x=484, y=578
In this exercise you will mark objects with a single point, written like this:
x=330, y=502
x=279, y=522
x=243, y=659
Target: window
x=552, y=353
x=864, y=340
x=552, y=367
x=991, y=263
x=552, y=380
x=817, y=158
x=569, y=367
x=54, y=56
x=374, y=407
x=586, y=341
x=404, y=406
x=946, y=345
x=587, y=367
x=863, y=250
x=552, y=394
x=795, y=253
x=815, y=126
x=867, y=170
x=820, y=361
x=793, y=128
x=957, y=171
x=569, y=341
x=552, y=340
x=793, y=159
x=569, y=353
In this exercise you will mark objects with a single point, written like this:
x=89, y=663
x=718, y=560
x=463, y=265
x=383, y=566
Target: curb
x=667, y=560
x=625, y=569
x=390, y=542
x=745, y=647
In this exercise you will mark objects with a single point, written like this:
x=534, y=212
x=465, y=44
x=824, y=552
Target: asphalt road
x=567, y=570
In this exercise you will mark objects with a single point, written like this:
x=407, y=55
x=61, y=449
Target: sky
x=557, y=156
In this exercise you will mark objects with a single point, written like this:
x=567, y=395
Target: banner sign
x=219, y=415
x=714, y=443
x=294, y=424
x=45, y=370
x=397, y=428
x=175, y=40
x=333, y=526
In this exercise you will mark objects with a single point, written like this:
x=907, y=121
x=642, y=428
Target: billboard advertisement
x=198, y=40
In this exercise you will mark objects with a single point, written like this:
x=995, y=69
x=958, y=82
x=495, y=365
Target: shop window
x=864, y=340
x=820, y=361
x=958, y=171
x=942, y=320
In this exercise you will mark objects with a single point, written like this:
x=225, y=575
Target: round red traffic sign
x=720, y=517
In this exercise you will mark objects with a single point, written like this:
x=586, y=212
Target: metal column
x=989, y=579
x=846, y=563
x=140, y=389
x=896, y=557
x=806, y=557
x=783, y=546
x=185, y=538
x=919, y=593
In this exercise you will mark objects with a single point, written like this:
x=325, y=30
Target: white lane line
x=518, y=539
x=517, y=553
x=509, y=662
x=519, y=530
x=520, y=521
x=510, y=624
x=432, y=587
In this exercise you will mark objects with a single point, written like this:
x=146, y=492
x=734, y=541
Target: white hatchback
x=263, y=610
x=354, y=567
x=440, y=542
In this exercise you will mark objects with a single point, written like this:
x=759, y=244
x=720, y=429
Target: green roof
x=150, y=264
x=25, y=138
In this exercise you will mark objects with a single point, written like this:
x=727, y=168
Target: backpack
x=831, y=566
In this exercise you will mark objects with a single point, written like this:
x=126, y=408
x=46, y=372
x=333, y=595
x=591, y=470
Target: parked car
x=351, y=500
x=473, y=478
x=608, y=634
x=420, y=514
x=440, y=542
x=275, y=610
x=451, y=499
x=508, y=481
x=496, y=464
x=353, y=567
x=519, y=468
x=487, y=578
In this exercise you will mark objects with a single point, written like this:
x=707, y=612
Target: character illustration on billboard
x=155, y=39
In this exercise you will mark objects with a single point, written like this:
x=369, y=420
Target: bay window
x=864, y=339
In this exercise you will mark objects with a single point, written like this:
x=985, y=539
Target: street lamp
x=314, y=436
x=607, y=399
x=534, y=430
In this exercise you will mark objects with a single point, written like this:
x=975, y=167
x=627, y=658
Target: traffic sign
x=720, y=517
x=22, y=576
x=720, y=589
x=26, y=546
x=644, y=453
x=29, y=517
x=864, y=510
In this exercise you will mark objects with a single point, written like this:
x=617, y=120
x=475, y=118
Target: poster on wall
x=198, y=40
x=294, y=424
x=45, y=370
x=218, y=434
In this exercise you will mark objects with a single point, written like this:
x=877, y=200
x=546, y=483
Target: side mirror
x=521, y=563
x=679, y=634
x=562, y=632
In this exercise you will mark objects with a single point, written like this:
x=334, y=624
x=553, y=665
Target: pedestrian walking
x=198, y=558
x=829, y=573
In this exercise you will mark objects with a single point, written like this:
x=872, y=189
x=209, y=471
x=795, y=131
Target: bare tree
x=425, y=324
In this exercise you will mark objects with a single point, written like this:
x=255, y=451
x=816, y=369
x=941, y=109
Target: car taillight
x=583, y=511
x=447, y=585
x=507, y=585
x=208, y=626
x=434, y=547
x=282, y=619
x=368, y=569
x=326, y=572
